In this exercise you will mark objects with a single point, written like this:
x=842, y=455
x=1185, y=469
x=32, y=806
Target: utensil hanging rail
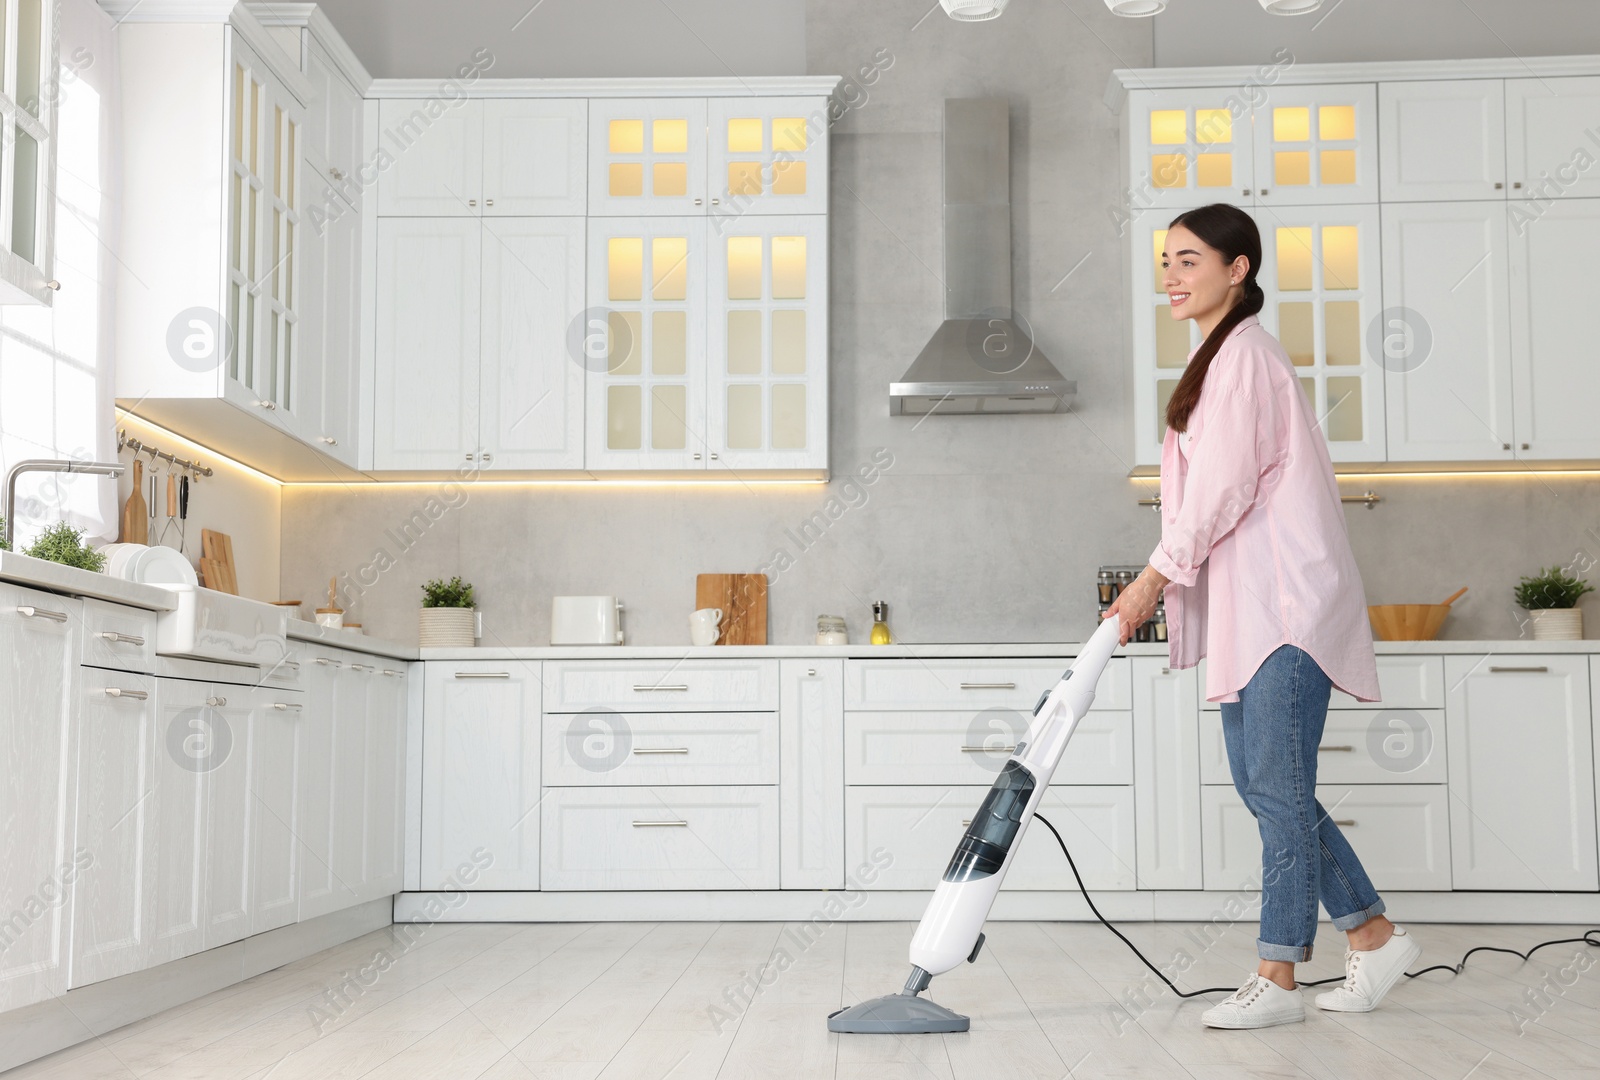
x=1369, y=497
x=126, y=441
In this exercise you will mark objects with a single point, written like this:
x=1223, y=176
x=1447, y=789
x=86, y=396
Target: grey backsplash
x=977, y=529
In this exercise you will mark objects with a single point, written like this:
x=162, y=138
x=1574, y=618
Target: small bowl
x=1407, y=622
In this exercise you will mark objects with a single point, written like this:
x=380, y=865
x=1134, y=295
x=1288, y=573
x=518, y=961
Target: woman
x=1258, y=570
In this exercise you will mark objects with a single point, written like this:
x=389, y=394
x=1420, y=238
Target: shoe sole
x=1383, y=991
x=1246, y=1027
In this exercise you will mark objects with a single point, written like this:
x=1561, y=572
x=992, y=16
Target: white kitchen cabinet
x=330, y=325
x=276, y=724
x=1400, y=832
x=767, y=340
x=187, y=729
x=1550, y=139
x=1166, y=780
x=1553, y=381
x=1317, y=145
x=426, y=389
x=384, y=841
x=1405, y=681
x=767, y=155
x=600, y=748
x=474, y=322
x=114, y=897
x=1447, y=355
x=919, y=828
x=949, y=747
x=473, y=157
x=747, y=684
x=1009, y=683
x=1188, y=148
x=480, y=773
x=1441, y=139
x=647, y=156
x=646, y=397
x=228, y=725
x=1522, y=805
x=1358, y=746
x=351, y=752
x=811, y=788
x=333, y=130
x=39, y=658
x=319, y=774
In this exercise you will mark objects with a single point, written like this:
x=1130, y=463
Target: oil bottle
x=880, y=625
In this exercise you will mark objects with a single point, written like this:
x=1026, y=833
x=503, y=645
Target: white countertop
x=354, y=640
x=42, y=574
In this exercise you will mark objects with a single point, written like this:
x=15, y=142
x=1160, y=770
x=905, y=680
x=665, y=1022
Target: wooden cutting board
x=743, y=600
x=216, y=561
x=135, y=512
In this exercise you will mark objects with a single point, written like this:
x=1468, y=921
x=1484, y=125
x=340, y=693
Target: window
x=28, y=93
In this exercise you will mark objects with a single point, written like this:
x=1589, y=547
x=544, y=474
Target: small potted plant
x=1551, y=600
x=448, y=617
x=63, y=544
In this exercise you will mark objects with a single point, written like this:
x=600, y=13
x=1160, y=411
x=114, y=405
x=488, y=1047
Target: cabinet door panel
x=275, y=851
x=535, y=157
x=811, y=759
x=320, y=893
x=186, y=727
x=386, y=763
x=1189, y=148
x=437, y=167
x=531, y=390
x=768, y=155
x=1317, y=145
x=1447, y=356
x=428, y=295
x=1166, y=759
x=1442, y=139
x=351, y=804
x=1549, y=148
x=647, y=156
x=230, y=811
x=339, y=367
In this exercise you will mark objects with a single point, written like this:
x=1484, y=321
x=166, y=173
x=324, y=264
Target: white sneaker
x=1259, y=1003
x=1369, y=975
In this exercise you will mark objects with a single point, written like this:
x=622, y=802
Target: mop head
x=897, y=1014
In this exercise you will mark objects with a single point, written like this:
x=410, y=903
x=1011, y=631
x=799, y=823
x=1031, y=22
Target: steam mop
x=951, y=929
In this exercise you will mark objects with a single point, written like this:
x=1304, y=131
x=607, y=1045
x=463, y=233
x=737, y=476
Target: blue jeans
x=1272, y=733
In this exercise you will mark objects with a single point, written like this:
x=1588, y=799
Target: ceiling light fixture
x=1290, y=7
x=973, y=10
x=1136, y=9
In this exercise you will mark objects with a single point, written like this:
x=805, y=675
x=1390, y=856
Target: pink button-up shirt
x=1252, y=531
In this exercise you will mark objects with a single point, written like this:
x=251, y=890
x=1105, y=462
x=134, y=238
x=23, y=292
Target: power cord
x=1589, y=938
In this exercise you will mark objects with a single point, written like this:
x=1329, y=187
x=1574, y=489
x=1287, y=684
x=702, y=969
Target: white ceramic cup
x=705, y=626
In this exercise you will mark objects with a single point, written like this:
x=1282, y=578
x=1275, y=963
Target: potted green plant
x=448, y=619
x=1551, y=600
x=63, y=544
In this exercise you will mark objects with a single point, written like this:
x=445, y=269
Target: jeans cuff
x=1356, y=918
x=1295, y=954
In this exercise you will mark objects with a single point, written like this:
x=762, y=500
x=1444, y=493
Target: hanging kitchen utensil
x=183, y=511
x=135, y=521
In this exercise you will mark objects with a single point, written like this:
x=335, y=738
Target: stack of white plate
x=149, y=565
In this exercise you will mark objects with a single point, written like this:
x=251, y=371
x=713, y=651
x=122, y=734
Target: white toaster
x=585, y=620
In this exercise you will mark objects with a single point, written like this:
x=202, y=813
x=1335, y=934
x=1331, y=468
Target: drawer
x=659, y=838
x=288, y=673
x=1406, y=682
x=118, y=637
x=661, y=685
x=969, y=685
x=605, y=748
x=1359, y=746
x=1401, y=833
x=947, y=747
x=913, y=831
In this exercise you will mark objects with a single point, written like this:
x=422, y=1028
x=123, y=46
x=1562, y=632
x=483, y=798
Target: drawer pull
x=966, y=823
x=660, y=749
x=988, y=749
x=988, y=686
x=392, y=673
x=282, y=706
x=216, y=702
x=483, y=674
x=292, y=665
x=360, y=667
x=119, y=692
x=660, y=824
x=811, y=672
x=325, y=662
x=42, y=613
x=1348, y=823
x=638, y=689
x=1541, y=667
x=120, y=639
x=1336, y=749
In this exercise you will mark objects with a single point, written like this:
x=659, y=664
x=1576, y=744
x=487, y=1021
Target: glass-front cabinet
x=1316, y=145
x=767, y=155
x=1189, y=148
x=647, y=156
x=28, y=97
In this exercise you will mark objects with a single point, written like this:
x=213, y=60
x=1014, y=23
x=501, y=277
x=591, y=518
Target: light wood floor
x=579, y=1001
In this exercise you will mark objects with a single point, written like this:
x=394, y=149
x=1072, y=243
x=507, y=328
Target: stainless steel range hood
x=982, y=358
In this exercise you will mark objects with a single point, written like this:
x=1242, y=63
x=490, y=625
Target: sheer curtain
x=56, y=363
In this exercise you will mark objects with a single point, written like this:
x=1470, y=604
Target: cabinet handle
x=360, y=667
x=471, y=456
x=659, y=824
x=988, y=686
x=1540, y=668
x=483, y=674
x=472, y=202
x=1166, y=671
x=811, y=671
x=1517, y=185
x=488, y=202
x=216, y=702
x=697, y=457
x=716, y=202
x=1525, y=446
x=392, y=673
x=119, y=692
x=1336, y=749
x=336, y=173
x=1348, y=823
x=1505, y=446
x=988, y=749
x=283, y=706
x=325, y=662
x=330, y=440
x=1266, y=191
x=485, y=457
x=120, y=639
x=292, y=665
x=1498, y=184
x=1246, y=191
x=697, y=202
x=966, y=823
x=660, y=749
x=714, y=455
x=28, y=611
x=638, y=689
x=264, y=404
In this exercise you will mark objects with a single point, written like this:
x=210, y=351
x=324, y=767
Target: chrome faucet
x=63, y=465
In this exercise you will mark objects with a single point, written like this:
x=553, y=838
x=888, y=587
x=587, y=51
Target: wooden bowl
x=1407, y=622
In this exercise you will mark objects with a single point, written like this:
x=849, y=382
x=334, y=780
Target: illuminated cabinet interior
x=1423, y=283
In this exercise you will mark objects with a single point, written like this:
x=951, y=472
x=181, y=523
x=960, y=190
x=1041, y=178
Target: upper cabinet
x=647, y=156
x=767, y=156
x=1317, y=145
x=29, y=95
x=1191, y=147
x=1442, y=140
x=482, y=158
x=1553, y=137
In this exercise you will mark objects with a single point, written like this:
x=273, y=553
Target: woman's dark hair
x=1232, y=232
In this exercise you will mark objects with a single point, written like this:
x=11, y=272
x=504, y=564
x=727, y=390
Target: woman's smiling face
x=1198, y=283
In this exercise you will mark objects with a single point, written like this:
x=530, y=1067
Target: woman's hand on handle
x=1135, y=604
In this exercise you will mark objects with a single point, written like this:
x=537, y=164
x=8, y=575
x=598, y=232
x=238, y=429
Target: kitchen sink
x=211, y=625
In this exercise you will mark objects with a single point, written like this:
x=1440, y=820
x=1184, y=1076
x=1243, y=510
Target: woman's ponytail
x=1232, y=232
